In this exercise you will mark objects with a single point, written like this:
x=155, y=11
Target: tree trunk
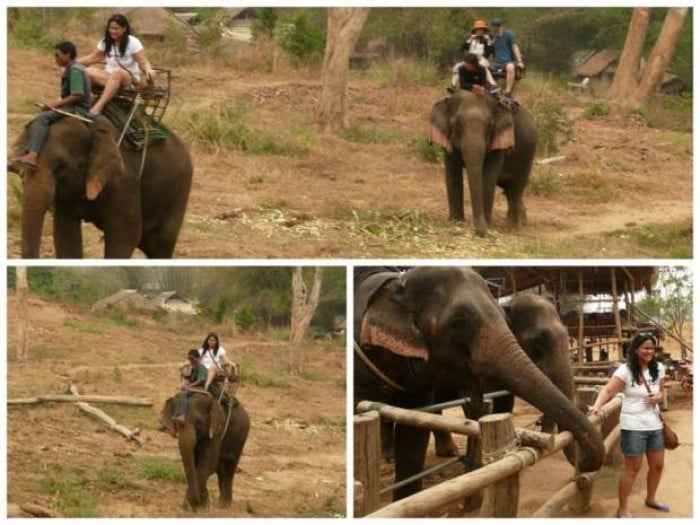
x=662, y=53
x=628, y=88
x=303, y=308
x=22, y=321
x=344, y=27
x=624, y=85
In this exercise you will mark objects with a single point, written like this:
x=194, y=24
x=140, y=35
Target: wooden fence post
x=497, y=439
x=581, y=502
x=368, y=453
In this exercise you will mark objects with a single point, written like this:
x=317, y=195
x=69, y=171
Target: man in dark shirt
x=471, y=75
x=75, y=94
x=196, y=380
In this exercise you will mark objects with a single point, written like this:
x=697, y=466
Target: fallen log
x=38, y=510
x=113, y=425
x=116, y=400
x=550, y=160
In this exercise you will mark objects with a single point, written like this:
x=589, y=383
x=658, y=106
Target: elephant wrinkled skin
x=205, y=448
x=81, y=160
x=469, y=123
x=440, y=327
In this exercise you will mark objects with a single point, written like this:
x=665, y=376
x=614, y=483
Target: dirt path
x=368, y=193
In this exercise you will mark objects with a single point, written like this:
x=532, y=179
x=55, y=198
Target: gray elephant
x=440, y=327
x=495, y=146
x=85, y=177
x=210, y=441
x=536, y=325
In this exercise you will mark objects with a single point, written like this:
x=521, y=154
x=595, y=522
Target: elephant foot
x=446, y=451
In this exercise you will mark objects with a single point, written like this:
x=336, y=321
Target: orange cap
x=480, y=24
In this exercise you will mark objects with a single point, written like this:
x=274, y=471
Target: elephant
x=209, y=441
x=85, y=177
x=536, y=325
x=471, y=128
x=433, y=328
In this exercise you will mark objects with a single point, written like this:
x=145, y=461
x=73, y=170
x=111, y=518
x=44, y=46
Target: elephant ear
x=438, y=128
x=104, y=159
x=388, y=323
x=503, y=136
x=216, y=418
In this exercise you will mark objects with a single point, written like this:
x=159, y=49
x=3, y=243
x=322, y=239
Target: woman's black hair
x=633, y=360
x=122, y=21
x=205, y=343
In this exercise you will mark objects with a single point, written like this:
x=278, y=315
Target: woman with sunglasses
x=641, y=381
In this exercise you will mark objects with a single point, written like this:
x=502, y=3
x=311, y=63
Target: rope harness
x=375, y=370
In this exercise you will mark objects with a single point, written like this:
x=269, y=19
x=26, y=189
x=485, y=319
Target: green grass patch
x=685, y=140
x=405, y=72
x=118, y=317
x=597, y=109
x=545, y=184
x=112, y=478
x=431, y=153
x=312, y=375
x=363, y=135
x=269, y=378
x=71, y=492
x=674, y=241
x=82, y=326
x=160, y=469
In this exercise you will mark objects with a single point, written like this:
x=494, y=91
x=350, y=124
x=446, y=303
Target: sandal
x=661, y=507
x=618, y=515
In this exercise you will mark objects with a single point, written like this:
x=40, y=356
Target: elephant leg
x=409, y=454
x=187, y=444
x=387, y=437
x=122, y=230
x=454, y=182
x=67, y=233
x=493, y=164
x=224, y=473
x=444, y=444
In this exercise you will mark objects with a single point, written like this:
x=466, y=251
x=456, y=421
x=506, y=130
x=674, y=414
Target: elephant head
x=541, y=333
x=447, y=323
x=199, y=440
x=475, y=132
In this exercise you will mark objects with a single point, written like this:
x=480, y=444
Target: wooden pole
x=421, y=419
x=498, y=439
x=585, y=380
x=616, y=305
x=581, y=500
x=368, y=455
x=132, y=435
x=22, y=351
x=117, y=400
x=580, y=316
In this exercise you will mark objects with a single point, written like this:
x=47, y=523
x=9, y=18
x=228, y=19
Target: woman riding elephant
x=210, y=440
x=137, y=198
x=496, y=147
x=440, y=327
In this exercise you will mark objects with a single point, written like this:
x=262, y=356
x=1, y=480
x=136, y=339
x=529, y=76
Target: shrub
x=244, y=318
x=598, y=109
x=73, y=498
x=551, y=123
x=300, y=38
x=160, y=469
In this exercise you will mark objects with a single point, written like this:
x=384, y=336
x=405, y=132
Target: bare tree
x=344, y=27
x=629, y=89
x=303, y=307
x=22, y=320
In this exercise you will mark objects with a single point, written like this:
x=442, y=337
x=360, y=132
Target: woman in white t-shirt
x=213, y=356
x=125, y=61
x=640, y=425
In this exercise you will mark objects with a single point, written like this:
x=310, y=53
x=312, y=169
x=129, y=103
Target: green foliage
x=597, y=109
x=431, y=153
x=673, y=241
x=545, y=184
x=119, y=317
x=264, y=22
x=117, y=374
x=72, y=494
x=300, y=38
x=267, y=379
x=160, y=469
x=82, y=326
x=220, y=309
x=641, y=114
x=401, y=73
x=244, y=318
x=552, y=122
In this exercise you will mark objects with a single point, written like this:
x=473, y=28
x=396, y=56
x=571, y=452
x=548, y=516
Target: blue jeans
x=181, y=403
x=39, y=130
x=637, y=442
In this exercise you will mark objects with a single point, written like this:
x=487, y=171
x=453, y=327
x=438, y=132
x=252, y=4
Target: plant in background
x=244, y=318
x=551, y=123
x=264, y=22
x=300, y=38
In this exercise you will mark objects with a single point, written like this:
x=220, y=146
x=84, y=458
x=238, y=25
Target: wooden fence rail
x=500, y=476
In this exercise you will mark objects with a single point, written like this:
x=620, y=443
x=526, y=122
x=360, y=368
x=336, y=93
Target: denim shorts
x=637, y=442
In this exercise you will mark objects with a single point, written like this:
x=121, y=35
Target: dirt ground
x=347, y=199
x=540, y=482
x=293, y=464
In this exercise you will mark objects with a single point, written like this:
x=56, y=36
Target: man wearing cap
x=505, y=54
x=478, y=43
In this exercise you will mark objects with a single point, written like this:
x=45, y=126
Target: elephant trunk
x=473, y=153
x=517, y=373
x=39, y=192
x=187, y=441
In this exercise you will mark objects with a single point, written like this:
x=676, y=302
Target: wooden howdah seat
x=153, y=98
